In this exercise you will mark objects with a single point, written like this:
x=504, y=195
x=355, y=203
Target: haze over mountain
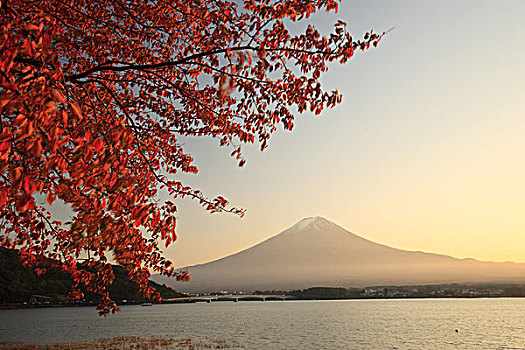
x=317, y=252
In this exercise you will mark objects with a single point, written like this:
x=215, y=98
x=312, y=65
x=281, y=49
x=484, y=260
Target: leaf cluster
x=97, y=96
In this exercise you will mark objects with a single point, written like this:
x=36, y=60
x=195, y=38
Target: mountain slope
x=317, y=252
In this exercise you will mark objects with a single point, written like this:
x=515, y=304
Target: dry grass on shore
x=132, y=343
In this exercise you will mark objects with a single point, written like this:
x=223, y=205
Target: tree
x=95, y=96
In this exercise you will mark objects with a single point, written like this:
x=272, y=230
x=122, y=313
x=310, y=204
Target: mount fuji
x=317, y=252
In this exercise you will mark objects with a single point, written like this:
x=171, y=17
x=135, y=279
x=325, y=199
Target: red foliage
x=95, y=96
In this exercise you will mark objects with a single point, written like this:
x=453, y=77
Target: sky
x=426, y=151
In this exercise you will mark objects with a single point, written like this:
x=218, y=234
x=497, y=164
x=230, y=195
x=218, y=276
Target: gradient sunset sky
x=426, y=152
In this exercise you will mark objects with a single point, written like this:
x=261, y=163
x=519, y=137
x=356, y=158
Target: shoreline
x=94, y=304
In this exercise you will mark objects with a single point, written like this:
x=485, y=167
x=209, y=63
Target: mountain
x=317, y=252
x=20, y=284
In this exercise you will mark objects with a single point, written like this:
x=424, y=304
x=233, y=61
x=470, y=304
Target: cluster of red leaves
x=95, y=96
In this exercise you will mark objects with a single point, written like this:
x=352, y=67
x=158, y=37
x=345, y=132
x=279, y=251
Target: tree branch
x=186, y=60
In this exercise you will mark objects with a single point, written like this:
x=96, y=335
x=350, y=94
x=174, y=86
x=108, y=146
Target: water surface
x=345, y=324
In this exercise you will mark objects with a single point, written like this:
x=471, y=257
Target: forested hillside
x=19, y=284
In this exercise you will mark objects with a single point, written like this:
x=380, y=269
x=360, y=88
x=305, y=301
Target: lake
x=344, y=324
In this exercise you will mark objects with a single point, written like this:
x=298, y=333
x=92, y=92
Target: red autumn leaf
x=15, y=175
x=76, y=109
x=29, y=186
x=50, y=198
x=3, y=198
x=30, y=27
x=40, y=271
x=58, y=95
x=98, y=145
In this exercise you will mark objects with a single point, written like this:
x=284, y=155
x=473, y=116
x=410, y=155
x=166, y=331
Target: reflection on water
x=351, y=324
